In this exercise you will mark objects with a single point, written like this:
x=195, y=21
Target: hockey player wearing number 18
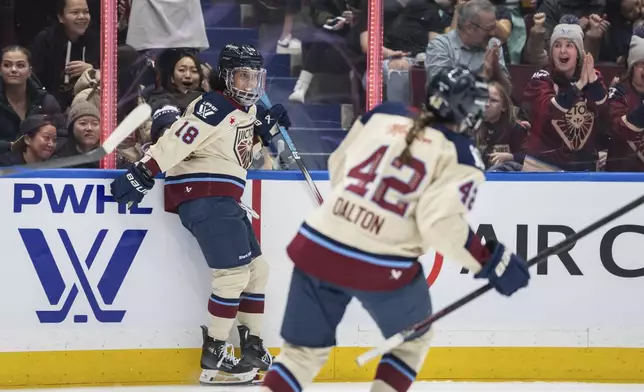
x=205, y=155
x=401, y=185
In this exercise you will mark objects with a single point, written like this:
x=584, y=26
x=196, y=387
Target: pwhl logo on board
x=55, y=287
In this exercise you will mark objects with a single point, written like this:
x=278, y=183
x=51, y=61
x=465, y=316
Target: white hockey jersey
x=206, y=152
x=382, y=215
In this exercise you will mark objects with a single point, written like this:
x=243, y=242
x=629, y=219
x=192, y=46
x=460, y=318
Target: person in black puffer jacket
x=20, y=94
x=63, y=51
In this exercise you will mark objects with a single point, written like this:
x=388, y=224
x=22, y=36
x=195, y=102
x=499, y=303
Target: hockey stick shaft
x=296, y=156
x=134, y=120
x=542, y=256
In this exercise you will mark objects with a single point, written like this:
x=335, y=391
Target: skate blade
x=218, y=377
x=259, y=377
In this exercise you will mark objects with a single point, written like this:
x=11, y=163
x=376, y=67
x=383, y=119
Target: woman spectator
x=83, y=127
x=626, y=113
x=565, y=99
x=180, y=78
x=62, y=52
x=501, y=138
x=36, y=141
x=20, y=95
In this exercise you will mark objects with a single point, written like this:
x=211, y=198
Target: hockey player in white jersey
x=401, y=183
x=205, y=155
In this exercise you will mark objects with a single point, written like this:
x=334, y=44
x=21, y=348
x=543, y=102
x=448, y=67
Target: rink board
x=94, y=295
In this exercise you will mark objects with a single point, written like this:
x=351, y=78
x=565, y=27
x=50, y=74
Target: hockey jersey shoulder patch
x=389, y=107
x=466, y=152
x=212, y=108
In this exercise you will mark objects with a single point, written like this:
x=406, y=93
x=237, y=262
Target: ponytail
x=417, y=130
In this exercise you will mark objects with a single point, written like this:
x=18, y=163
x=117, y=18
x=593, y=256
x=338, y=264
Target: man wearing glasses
x=471, y=44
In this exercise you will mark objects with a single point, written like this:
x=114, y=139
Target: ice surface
x=417, y=387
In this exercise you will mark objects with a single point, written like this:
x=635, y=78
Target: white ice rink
x=417, y=387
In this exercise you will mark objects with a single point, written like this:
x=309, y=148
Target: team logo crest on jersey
x=244, y=145
x=576, y=126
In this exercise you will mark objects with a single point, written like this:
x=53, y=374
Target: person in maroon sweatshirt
x=565, y=99
x=626, y=113
x=501, y=138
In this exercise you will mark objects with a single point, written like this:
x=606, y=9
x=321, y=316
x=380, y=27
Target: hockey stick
x=296, y=156
x=401, y=337
x=134, y=120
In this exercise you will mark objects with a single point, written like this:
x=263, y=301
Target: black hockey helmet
x=241, y=67
x=459, y=96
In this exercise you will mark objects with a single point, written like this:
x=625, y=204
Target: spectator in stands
x=20, y=95
x=622, y=16
x=36, y=141
x=466, y=45
x=565, y=99
x=554, y=10
x=180, y=77
x=83, y=128
x=286, y=44
x=626, y=113
x=325, y=49
x=63, y=51
x=501, y=138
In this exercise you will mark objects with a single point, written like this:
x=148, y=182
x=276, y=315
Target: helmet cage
x=255, y=79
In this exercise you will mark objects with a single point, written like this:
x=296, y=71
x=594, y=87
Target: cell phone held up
x=331, y=25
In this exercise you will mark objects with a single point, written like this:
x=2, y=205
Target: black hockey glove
x=267, y=119
x=133, y=185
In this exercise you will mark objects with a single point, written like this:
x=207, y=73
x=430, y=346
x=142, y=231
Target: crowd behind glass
x=566, y=76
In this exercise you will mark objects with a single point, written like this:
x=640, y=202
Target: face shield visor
x=246, y=85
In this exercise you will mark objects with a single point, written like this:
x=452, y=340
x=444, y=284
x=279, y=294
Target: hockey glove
x=506, y=271
x=133, y=185
x=267, y=120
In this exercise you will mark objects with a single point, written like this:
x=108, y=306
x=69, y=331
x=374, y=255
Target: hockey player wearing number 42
x=400, y=186
x=205, y=155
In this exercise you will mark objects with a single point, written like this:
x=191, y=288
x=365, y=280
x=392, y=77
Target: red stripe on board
x=256, y=204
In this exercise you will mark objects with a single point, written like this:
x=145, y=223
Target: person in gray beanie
x=565, y=98
x=84, y=129
x=626, y=112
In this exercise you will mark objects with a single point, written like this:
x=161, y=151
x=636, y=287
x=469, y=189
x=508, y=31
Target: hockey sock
x=227, y=286
x=295, y=367
x=394, y=373
x=251, y=304
x=397, y=370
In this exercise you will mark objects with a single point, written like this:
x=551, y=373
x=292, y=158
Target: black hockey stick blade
x=134, y=120
x=401, y=337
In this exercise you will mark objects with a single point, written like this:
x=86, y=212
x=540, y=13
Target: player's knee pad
x=295, y=366
x=397, y=370
x=251, y=304
x=258, y=275
x=227, y=287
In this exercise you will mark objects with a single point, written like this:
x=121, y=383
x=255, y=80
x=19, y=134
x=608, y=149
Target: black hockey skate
x=219, y=366
x=253, y=351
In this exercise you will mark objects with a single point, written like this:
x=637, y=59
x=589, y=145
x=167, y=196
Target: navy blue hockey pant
x=315, y=308
x=222, y=230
